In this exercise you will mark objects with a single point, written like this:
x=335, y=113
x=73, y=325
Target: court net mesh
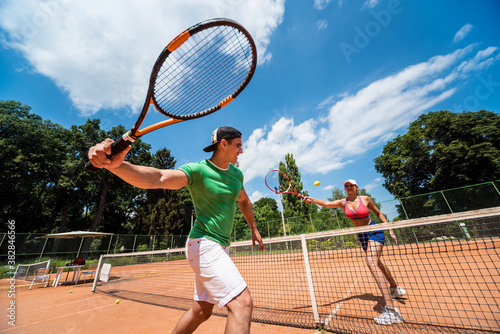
x=449, y=266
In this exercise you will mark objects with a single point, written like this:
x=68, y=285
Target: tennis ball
x=70, y=291
x=317, y=183
x=117, y=301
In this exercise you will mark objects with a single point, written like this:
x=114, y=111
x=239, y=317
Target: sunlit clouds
x=346, y=127
x=101, y=53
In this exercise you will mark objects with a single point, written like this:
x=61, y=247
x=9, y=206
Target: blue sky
x=336, y=79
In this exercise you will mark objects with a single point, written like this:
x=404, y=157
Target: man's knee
x=247, y=300
x=203, y=315
x=242, y=303
x=202, y=312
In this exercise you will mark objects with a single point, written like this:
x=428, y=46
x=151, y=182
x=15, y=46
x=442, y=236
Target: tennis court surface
x=56, y=310
x=449, y=266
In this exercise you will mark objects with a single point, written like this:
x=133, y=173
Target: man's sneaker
x=397, y=292
x=389, y=317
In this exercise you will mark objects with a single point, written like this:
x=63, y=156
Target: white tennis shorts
x=217, y=280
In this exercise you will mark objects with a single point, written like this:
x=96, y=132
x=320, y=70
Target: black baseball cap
x=223, y=132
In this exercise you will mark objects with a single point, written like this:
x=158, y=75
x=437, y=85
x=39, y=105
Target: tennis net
x=449, y=266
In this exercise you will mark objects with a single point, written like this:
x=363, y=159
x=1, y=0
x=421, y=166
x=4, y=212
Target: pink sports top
x=360, y=212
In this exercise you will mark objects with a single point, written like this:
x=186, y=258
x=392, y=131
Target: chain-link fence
x=479, y=196
x=29, y=248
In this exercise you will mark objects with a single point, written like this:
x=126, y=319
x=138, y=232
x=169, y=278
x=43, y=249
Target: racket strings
x=277, y=182
x=175, y=94
x=221, y=88
x=207, y=68
x=220, y=69
x=231, y=49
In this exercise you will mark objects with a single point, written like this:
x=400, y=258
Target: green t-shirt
x=214, y=193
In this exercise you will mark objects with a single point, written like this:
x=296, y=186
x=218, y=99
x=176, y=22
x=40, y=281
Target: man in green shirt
x=216, y=186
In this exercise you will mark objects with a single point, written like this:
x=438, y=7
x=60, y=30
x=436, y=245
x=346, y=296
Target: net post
x=282, y=216
x=404, y=210
x=43, y=249
x=494, y=186
x=109, y=245
x=80, y=248
x=133, y=247
x=462, y=226
x=97, y=272
x=314, y=304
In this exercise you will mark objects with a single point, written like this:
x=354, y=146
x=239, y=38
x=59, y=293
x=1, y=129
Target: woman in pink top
x=356, y=208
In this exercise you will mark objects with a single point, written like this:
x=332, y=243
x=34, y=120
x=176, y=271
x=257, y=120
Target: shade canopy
x=75, y=234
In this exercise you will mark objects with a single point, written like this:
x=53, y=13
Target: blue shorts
x=377, y=236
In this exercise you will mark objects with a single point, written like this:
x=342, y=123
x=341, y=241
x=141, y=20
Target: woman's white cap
x=351, y=181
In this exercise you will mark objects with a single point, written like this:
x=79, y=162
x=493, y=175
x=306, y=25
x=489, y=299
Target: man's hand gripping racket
x=199, y=72
x=278, y=182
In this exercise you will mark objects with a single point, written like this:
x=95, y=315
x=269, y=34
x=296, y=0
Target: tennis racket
x=278, y=182
x=199, y=72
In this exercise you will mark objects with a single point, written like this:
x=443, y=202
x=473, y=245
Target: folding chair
x=41, y=275
x=90, y=271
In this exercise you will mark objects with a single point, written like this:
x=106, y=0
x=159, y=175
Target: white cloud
x=370, y=3
x=463, y=32
x=375, y=183
x=322, y=24
x=321, y=4
x=256, y=195
x=101, y=52
x=364, y=119
x=483, y=59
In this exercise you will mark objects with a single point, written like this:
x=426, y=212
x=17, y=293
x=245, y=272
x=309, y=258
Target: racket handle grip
x=117, y=147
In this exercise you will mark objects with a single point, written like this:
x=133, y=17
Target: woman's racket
x=199, y=72
x=278, y=182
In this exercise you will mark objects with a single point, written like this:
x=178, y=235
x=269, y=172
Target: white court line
x=63, y=304
x=330, y=317
x=59, y=317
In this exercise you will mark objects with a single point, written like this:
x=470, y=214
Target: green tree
x=265, y=211
x=33, y=160
x=187, y=210
x=110, y=202
x=292, y=204
x=45, y=188
x=162, y=213
x=442, y=150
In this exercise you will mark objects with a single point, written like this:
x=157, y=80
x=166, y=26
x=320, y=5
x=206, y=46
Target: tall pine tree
x=293, y=206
